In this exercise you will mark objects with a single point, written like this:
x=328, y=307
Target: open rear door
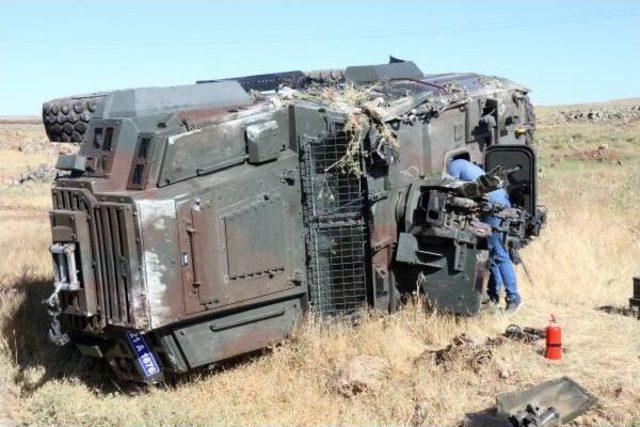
x=522, y=182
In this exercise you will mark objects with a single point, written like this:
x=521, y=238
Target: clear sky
x=566, y=51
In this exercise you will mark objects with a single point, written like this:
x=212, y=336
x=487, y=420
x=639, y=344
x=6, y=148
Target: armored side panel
x=241, y=239
x=202, y=343
x=452, y=276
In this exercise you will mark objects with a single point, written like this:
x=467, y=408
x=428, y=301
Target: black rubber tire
x=78, y=107
x=81, y=127
x=72, y=117
x=76, y=136
x=56, y=129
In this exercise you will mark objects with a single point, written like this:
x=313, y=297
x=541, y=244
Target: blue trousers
x=500, y=267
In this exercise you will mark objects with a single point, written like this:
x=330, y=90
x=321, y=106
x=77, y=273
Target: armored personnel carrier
x=198, y=223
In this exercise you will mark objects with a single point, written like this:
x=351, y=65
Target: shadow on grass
x=485, y=418
x=619, y=310
x=24, y=323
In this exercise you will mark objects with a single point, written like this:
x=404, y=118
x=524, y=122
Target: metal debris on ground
x=534, y=415
x=526, y=334
x=550, y=403
x=462, y=349
x=42, y=173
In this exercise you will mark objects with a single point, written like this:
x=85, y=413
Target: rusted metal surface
x=157, y=219
x=111, y=290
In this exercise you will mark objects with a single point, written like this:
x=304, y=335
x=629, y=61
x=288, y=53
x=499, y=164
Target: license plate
x=144, y=357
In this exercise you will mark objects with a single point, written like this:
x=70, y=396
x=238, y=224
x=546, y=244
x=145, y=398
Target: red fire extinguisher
x=553, y=350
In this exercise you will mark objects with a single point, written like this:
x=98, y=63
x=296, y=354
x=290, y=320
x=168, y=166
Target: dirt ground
x=585, y=260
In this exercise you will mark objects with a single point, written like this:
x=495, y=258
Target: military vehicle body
x=198, y=223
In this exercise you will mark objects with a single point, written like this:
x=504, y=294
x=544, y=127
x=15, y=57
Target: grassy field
x=586, y=258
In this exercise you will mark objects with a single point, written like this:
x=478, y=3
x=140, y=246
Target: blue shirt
x=464, y=170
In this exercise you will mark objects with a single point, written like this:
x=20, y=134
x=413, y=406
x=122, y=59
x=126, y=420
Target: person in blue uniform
x=502, y=272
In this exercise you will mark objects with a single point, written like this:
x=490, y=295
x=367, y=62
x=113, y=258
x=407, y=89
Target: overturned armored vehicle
x=199, y=222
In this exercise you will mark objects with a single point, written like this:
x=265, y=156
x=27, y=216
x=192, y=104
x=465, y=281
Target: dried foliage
x=351, y=163
x=351, y=100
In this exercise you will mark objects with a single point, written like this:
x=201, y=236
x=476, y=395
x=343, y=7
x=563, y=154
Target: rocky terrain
x=604, y=115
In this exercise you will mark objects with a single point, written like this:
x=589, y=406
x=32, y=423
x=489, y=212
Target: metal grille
x=71, y=200
x=110, y=240
x=338, y=255
x=331, y=193
x=334, y=213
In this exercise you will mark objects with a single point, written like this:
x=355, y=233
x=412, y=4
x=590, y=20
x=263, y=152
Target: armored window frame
x=100, y=148
x=141, y=162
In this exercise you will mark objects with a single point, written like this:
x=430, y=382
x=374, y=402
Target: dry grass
x=586, y=259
